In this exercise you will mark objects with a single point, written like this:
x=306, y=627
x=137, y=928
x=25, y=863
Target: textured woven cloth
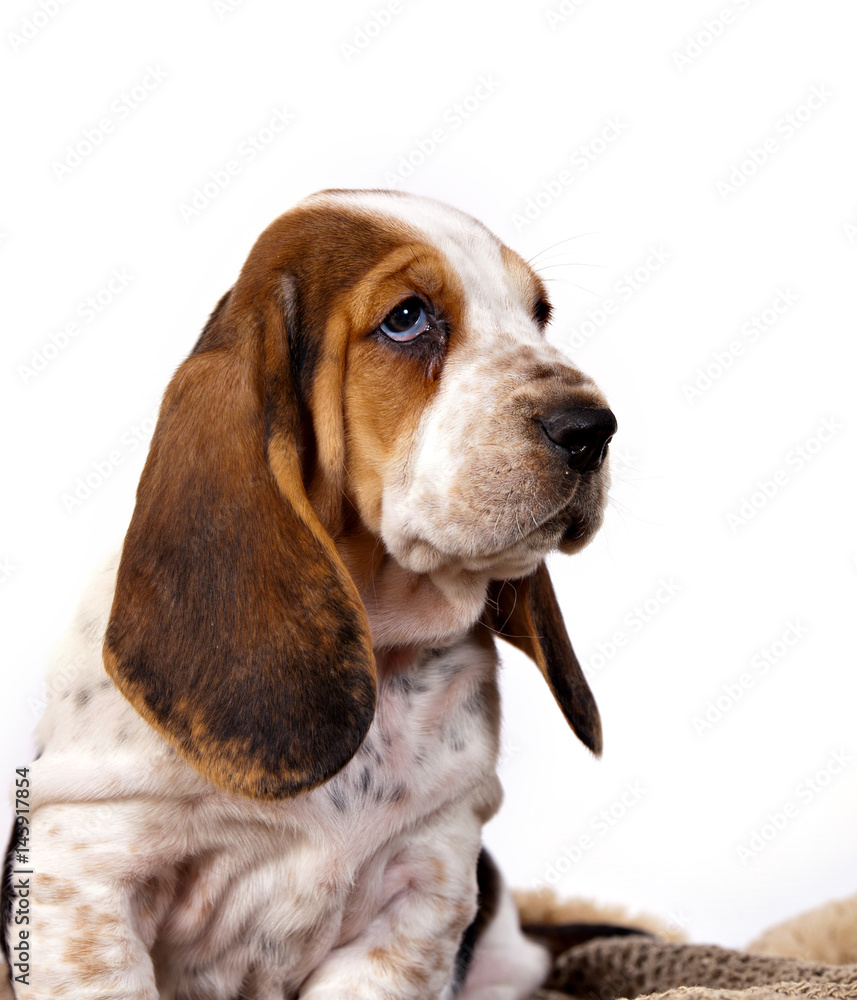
x=608, y=968
x=777, y=991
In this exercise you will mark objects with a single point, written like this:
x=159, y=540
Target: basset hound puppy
x=266, y=772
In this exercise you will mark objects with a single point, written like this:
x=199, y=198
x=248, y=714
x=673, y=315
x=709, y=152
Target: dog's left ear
x=525, y=613
x=236, y=630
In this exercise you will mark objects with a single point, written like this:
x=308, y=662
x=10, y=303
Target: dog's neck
x=407, y=609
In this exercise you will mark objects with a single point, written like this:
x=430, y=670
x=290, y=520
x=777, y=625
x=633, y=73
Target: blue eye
x=406, y=322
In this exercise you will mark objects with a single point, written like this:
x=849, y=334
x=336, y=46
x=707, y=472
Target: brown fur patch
x=98, y=948
x=52, y=889
x=526, y=614
x=386, y=386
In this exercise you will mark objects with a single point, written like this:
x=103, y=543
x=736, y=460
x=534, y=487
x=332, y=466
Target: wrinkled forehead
x=485, y=266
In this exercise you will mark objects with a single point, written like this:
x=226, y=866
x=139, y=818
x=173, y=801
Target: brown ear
x=236, y=630
x=526, y=614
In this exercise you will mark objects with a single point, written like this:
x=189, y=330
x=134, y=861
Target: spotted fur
x=267, y=771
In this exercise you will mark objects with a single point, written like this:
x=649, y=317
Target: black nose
x=583, y=433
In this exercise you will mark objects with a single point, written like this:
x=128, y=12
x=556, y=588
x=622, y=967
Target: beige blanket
x=812, y=956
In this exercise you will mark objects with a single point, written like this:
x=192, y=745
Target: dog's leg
x=498, y=960
x=408, y=950
x=495, y=960
x=85, y=941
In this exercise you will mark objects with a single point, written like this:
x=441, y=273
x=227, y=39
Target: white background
x=683, y=110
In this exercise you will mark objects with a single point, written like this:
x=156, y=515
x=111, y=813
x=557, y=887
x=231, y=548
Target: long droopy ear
x=526, y=614
x=236, y=631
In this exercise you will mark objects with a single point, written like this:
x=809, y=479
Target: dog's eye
x=407, y=321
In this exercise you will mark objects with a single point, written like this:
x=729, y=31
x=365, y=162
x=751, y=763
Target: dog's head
x=369, y=439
